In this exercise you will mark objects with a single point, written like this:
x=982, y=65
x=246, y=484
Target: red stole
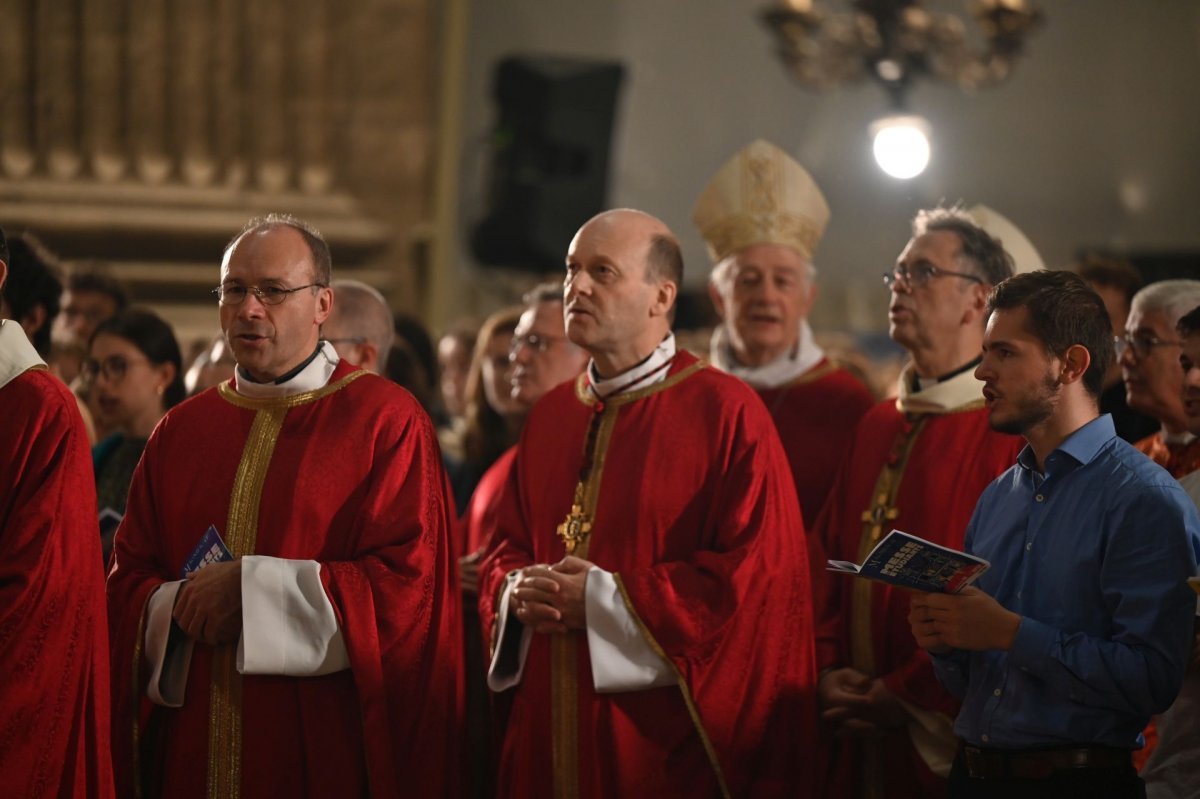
x=348, y=475
x=692, y=509
x=816, y=415
x=54, y=704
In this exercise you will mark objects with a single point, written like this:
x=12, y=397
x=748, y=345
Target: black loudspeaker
x=549, y=158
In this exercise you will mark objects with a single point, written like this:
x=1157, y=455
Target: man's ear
x=3, y=273
x=664, y=298
x=370, y=357
x=324, y=304
x=1075, y=363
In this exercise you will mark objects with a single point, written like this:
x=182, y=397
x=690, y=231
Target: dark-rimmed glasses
x=539, y=344
x=267, y=295
x=113, y=368
x=920, y=275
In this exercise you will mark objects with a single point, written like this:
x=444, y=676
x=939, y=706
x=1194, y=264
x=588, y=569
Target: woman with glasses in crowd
x=136, y=373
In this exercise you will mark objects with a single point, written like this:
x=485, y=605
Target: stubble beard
x=1030, y=411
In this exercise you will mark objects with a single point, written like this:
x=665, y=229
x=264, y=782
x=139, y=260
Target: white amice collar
x=1180, y=439
x=650, y=371
x=17, y=355
x=943, y=397
x=310, y=378
x=784, y=369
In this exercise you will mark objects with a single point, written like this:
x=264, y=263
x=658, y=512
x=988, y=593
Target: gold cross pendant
x=575, y=528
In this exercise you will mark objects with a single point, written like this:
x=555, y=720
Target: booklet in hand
x=211, y=549
x=911, y=562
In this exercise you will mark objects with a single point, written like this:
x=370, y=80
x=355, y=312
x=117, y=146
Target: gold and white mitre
x=1025, y=256
x=761, y=196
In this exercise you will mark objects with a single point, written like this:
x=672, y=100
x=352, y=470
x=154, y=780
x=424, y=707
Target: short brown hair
x=321, y=259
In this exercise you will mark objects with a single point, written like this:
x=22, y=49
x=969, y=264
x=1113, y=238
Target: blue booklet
x=211, y=549
x=911, y=562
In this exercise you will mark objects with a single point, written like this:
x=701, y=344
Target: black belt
x=1040, y=764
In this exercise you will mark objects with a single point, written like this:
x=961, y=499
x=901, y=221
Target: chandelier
x=894, y=42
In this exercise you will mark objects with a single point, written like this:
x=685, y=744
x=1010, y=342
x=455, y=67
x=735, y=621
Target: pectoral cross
x=575, y=528
x=877, y=515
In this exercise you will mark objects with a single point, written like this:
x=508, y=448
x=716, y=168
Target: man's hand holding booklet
x=910, y=562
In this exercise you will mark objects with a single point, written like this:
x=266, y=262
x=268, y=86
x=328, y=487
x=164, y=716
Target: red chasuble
x=350, y=476
x=921, y=472
x=480, y=519
x=691, y=507
x=1178, y=459
x=816, y=414
x=54, y=703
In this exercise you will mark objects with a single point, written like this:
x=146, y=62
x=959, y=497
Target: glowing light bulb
x=901, y=145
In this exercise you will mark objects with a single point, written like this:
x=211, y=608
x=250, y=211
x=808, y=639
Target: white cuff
x=622, y=658
x=288, y=624
x=167, y=649
x=512, y=644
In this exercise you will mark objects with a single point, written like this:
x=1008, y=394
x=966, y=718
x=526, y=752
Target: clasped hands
x=208, y=606
x=550, y=597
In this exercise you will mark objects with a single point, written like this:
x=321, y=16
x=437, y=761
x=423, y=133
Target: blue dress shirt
x=1094, y=556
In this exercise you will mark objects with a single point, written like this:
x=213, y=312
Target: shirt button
x=996, y=692
x=1029, y=546
x=1020, y=594
x=1040, y=497
x=984, y=738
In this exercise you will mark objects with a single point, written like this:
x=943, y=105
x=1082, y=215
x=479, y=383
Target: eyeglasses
x=113, y=368
x=920, y=275
x=1141, y=345
x=267, y=295
x=539, y=344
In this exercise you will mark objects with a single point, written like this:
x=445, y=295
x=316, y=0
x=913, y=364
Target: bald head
x=360, y=327
x=623, y=274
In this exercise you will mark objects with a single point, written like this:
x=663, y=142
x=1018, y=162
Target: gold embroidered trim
x=228, y=394
x=136, y=694
x=564, y=714
x=862, y=650
x=693, y=711
x=585, y=396
x=882, y=509
x=241, y=530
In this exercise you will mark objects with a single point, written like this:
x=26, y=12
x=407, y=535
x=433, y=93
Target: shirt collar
x=646, y=373
x=17, y=355
x=784, y=369
x=311, y=377
x=1082, y=445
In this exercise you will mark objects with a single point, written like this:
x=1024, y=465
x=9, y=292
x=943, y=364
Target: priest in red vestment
x=1149, y=357
x=762, y=216
x=917, y=463
x=647, y=587
x=323, y=660
x=54, y=703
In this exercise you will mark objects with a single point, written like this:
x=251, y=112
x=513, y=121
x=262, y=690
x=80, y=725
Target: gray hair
x=722, y=274
x=982, y=251
x=550, y=291
x=360, y=311
x=1173, y=298
x=322, y=262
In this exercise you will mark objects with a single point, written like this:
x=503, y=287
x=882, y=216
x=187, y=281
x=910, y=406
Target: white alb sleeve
x=622, y=658
x=288, y=624
x=512, y=643
x=168, y=650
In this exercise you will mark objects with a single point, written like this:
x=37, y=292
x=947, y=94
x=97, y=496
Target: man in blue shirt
x=1081, y=629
